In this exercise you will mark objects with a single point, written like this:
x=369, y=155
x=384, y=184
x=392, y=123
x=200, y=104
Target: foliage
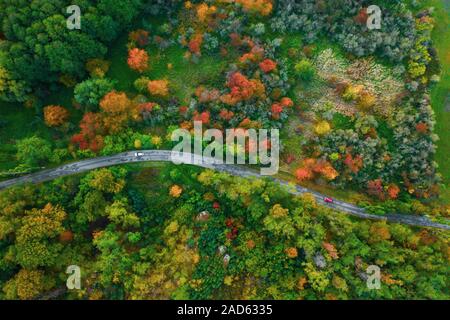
x=32, y=238
x=155, y=231
x=26, y=285
x=158, y=88
x=89, y=92
x=336, y=20
x=90, y=136
x=55, y=116
x=304, y=70
x=138, y=59
x=290, y=246
x=33, y=151
x=118, y=109
x=38, y=42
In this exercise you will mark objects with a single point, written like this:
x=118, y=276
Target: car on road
x=138, y=154
x=328, y=200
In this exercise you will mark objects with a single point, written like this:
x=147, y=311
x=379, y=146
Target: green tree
x=92, y=207
x=39, y=48
x=89, y=93
x=104, y=180
x=119, y=213
x=33, y=151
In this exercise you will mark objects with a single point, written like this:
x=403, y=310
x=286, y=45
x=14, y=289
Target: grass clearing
x=119, y=70
x=183, y=75
x=440, y=94
x=18, y=122
x=341, y=121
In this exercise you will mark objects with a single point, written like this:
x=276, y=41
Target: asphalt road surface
x=236, y=170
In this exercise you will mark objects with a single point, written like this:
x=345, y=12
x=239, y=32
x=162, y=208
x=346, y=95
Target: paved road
x=166, y=156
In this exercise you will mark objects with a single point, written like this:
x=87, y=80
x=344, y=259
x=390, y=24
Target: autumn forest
x=360, y=99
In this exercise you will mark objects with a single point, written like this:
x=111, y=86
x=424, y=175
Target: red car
x=328, y=200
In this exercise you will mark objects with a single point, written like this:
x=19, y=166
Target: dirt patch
x=447, y=103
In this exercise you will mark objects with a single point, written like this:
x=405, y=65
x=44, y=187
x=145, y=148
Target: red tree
x=393, y=191
x=140, y=37
x=362, y=16
x=241, y=88
x=303, y=174
x=268, y=65
x=204, y=117
x=91, y=131
x=195, y=44
x=355, y=164
x=375, y=188
x=422, y=127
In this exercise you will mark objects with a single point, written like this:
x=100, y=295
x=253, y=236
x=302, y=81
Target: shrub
x=141, y=84
x=304, y=70
x=322, y=128
x=97, y=68
x=366, y=101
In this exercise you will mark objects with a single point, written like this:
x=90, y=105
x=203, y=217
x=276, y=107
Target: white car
x=138, y=154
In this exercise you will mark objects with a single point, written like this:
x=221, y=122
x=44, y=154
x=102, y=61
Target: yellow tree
x=103, y=180
x=26, y=285
x=34, y=246
x=118, y=110
x=55, y=116
x=158, y=88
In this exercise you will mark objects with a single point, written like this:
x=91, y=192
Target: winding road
x=188, y=158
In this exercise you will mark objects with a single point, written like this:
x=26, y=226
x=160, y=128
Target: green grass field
x=184, y=76
x=440, y=94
